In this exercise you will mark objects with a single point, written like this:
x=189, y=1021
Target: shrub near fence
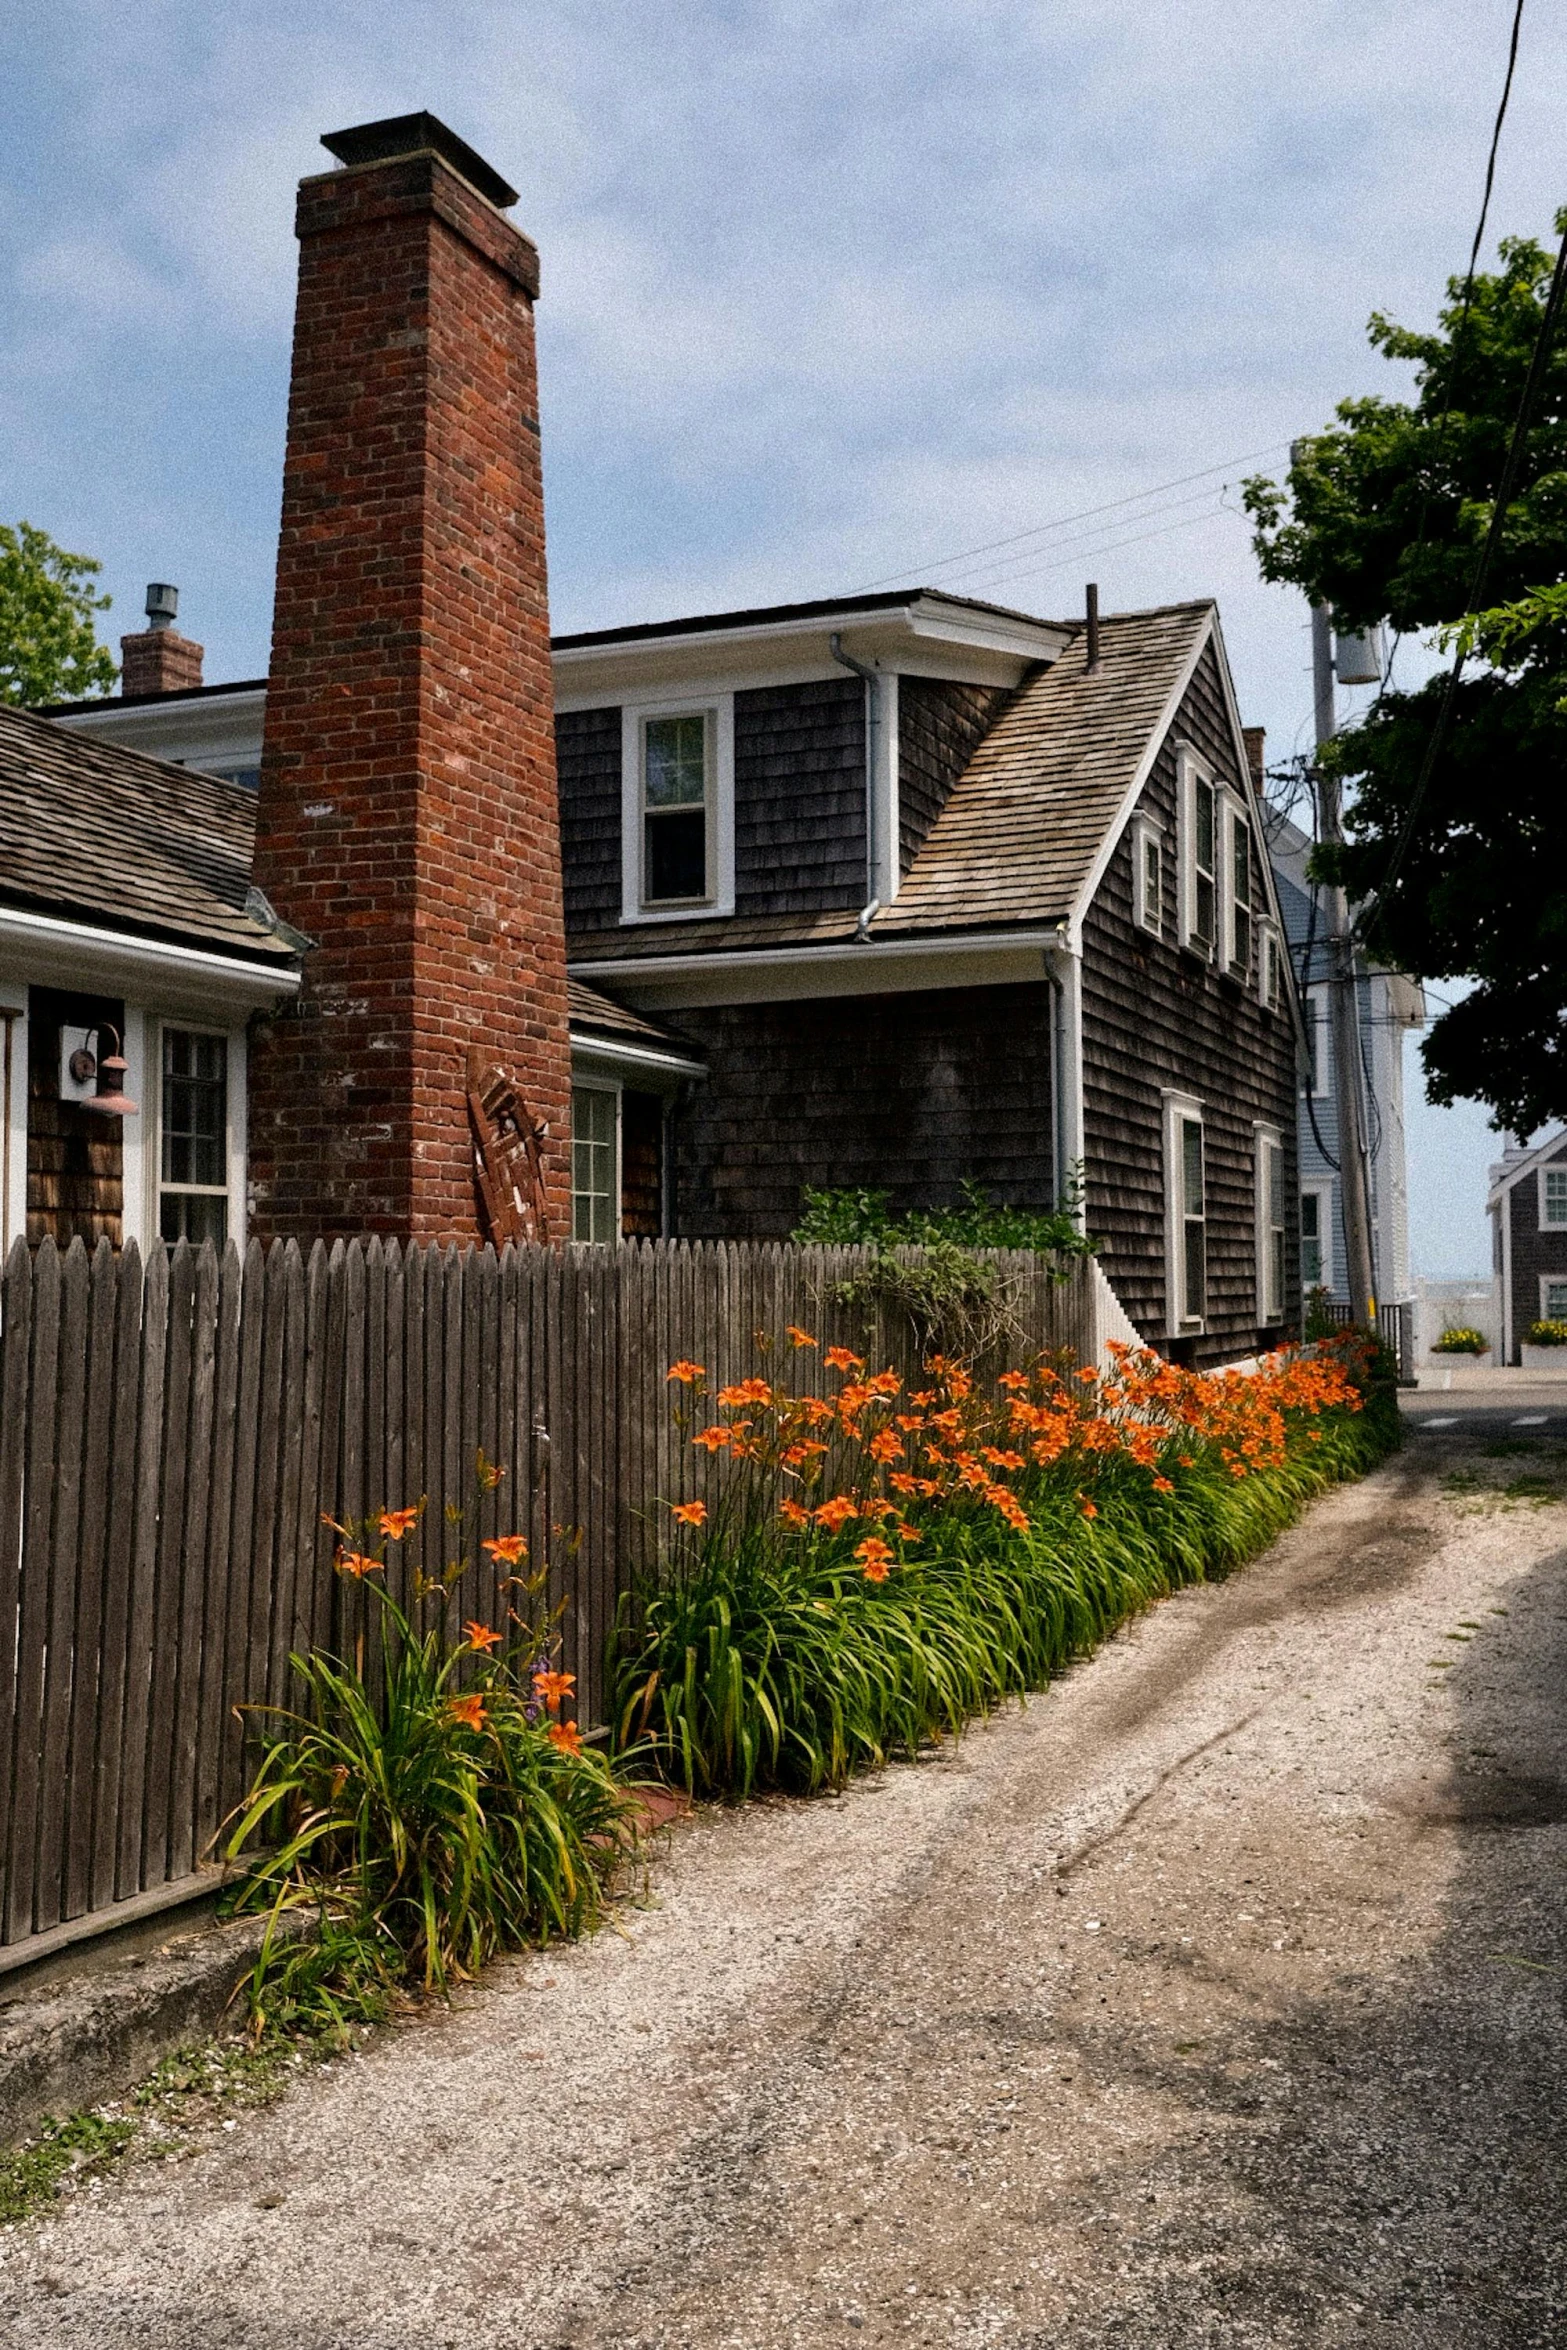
x=174, y=1430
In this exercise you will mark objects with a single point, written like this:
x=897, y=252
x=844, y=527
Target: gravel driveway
x=1216, y=1997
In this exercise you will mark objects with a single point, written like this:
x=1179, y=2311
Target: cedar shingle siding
x=800, y=798
x=909, y=1094
x=939, y=727
x=587, y=760
x=1155, y=1017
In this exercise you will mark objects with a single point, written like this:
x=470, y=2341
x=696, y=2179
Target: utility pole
x=1354, y=1187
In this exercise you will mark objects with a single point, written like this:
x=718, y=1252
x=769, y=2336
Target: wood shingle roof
x=97, y=834
x=1023, y=827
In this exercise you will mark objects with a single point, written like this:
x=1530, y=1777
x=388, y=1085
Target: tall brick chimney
x=408, y=821
x=160, y=660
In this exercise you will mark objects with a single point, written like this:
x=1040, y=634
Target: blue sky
x=832, y=292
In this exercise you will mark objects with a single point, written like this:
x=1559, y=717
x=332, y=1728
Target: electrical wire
x=928, y=566
x=1089, y=539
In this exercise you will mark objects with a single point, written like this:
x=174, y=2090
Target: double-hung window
x=1553, y=1299
x=1147, y=876
x=1186, y=1216
x=1316, y=1269
x=1319, y=1048
x=1553, y=1199
x=1239, y=924
x=677, y=809
x=595, y=1164
x=1270, y=1225
x=193, y=1138
x=1199, y=857
x=1270, y=969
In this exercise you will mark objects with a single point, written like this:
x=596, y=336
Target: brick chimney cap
x=415, y=134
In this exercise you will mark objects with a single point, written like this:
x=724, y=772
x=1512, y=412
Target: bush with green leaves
x=1547, y=1334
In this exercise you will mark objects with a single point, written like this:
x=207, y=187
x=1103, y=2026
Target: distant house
x=1390, y=1006
x=1528, y=1211
x=899, y=890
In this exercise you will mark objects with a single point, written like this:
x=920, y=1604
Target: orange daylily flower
x=885, y=1446
x=394, y=1524
x=794, y=1514
x=745, y=1391
x=1163, y=1485
x=481, y=1638
x=355, y=1563
x=469, y=1710
x=875, y=1556
x=566, y=1736
x=552, y=1687
x=689, y=1513
x=836, y=1513
x=715, y=1439
x=801, y=1337
x=507, y=1549
x=838, y=1358
x=1089, y=1509
x=687, y=1373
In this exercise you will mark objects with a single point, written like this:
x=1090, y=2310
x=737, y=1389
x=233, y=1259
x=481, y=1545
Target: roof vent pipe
x=864, y=669
x=1093, y=624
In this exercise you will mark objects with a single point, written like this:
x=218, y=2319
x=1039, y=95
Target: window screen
x=1194, y=1234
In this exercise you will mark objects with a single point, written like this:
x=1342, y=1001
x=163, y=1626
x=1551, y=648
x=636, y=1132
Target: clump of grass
x=427, y=1810
x=79, y=2148
x=788, y=1646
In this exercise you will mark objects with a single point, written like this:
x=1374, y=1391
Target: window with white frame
x=1238, y=894
x=677, y=809
x=1270, y=968
x=193, y=1137
x=1199, y=856
x=1270, y=1225
x=1553, y=1299
x=1316, y=1251
x=1186, y=1215
x=1147, y=876
x=1553, y=1198
x=595, y=1164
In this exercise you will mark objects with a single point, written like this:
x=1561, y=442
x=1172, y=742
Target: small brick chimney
x=407, y=820
x=1255, y=738
x=160, y=660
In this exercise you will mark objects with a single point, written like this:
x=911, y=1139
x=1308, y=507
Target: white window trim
x=1322, y=1193
x=1548, y=1282
x=1270, y=943
x=1233, y=813
x=1189, y=770
x=1178, y=1109
x=13, y=1113
x=610, y=1086
x=1268, y=1144
x=1552, y=1167
x=144, y=1168
x=719, y=710
x=1149, y=918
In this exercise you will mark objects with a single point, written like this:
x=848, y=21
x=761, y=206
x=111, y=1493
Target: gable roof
x=91, y=832
x=1509, y=1172
x=1020, y=836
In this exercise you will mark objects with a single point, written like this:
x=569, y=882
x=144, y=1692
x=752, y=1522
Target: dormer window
x=678, y=812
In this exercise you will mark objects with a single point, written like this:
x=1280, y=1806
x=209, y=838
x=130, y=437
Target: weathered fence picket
x=174, y=1432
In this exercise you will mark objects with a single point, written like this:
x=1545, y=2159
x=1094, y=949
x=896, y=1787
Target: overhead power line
x=927, y=566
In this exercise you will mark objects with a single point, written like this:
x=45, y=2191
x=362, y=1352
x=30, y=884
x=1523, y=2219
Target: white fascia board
x=1529, y=1164
x=49, y=952
x=663, y=1067
x=920, y=638
x=779, y=975
x=225, y=730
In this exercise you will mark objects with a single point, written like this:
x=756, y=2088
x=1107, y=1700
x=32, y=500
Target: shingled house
x=898, y=890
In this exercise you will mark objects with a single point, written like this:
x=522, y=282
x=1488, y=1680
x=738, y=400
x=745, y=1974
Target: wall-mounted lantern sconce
x=111, y=1071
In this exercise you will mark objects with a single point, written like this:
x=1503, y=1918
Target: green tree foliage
x=49, y=651
x=1383, y=516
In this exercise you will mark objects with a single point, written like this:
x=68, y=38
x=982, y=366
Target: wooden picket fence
x=176, y=1431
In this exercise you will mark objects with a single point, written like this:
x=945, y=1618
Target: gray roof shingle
x=98, y=834
x=1017, y=839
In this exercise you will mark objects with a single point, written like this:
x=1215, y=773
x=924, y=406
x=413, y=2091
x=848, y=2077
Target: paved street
x=1216, y=1998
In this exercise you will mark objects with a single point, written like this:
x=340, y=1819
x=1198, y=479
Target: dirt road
x=1216, y=1998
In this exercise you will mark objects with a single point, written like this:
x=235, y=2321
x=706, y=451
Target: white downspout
x=881, y=847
